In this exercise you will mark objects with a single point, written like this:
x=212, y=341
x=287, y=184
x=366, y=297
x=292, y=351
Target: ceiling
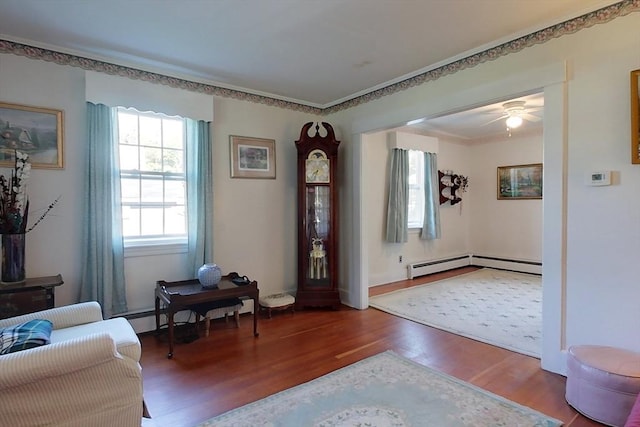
x=483, y=122
x=314, y=52
x=318, y=53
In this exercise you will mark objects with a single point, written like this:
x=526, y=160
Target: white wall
x=54, y=245
x=255, y=230
x=504, y=228
x=591, y=234
x=254, y=220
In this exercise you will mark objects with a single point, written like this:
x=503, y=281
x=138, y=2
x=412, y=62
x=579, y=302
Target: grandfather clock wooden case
x=317, y=218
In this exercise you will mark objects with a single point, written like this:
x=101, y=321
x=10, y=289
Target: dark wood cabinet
x=34, y=294
x=317, y=217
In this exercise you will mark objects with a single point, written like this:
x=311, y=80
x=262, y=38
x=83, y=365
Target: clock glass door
x=318, y=231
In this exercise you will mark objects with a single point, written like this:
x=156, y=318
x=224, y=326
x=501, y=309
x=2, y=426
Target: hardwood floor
x=231, y=368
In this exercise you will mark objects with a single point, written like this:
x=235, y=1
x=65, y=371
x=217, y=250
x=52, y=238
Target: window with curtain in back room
x=152, y=178
x=415, y=216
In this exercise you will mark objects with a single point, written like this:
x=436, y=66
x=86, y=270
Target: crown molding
x=571, y=26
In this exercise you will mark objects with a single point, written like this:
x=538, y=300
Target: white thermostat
x=598, y=178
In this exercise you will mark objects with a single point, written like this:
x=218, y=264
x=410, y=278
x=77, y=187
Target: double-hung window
x=152, y=178
x=415, y=215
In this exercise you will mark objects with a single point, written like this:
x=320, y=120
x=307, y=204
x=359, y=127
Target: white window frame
x=160, y=244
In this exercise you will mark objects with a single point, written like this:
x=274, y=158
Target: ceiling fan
x=515, y=113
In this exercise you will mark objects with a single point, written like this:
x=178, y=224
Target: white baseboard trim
x=522, y=266
x=417, y=269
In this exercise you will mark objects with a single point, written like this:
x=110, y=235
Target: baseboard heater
x=138, y=315
x=521, y=266
x=417, y=269
x=422, y=268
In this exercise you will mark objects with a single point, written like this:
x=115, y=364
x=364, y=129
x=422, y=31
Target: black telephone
x=239, y=280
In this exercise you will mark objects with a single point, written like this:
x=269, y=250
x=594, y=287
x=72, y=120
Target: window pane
x=151, y=220
x=173, y=161
x=173, y=133
x=174, y=192
x=151, y=191
x=130, y=189
x=128, y=128
x=151, y=159
x=176, y=220
x=130, y=221
x=150, y=131
x=416, y=189
x=416, y=208
x=129, y=157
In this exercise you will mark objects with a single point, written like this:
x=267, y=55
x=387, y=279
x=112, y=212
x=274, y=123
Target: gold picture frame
x=520, y=182
x=635, y=117
x=35, y=131
x=252, y=157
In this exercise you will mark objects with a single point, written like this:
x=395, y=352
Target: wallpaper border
x=571, y=26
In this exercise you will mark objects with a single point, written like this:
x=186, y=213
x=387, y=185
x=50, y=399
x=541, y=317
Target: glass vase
x=13, y=258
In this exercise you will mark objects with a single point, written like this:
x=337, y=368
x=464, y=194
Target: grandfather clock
x=317, y=218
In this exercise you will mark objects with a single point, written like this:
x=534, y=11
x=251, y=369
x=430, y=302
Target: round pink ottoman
x=603, y=382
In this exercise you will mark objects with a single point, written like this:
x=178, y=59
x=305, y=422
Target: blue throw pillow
x=26, y=335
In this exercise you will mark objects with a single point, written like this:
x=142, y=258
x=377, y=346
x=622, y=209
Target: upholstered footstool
x=276, y=302
x=215, y=309
x=603, y=382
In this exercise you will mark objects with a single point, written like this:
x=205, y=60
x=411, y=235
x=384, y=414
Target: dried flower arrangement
x=14, y=202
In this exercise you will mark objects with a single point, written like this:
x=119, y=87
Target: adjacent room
x=478, y=225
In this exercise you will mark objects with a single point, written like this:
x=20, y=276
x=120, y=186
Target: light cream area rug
x=501, y=308
x=385, y=390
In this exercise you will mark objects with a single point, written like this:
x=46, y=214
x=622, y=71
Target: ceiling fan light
x=514, y=122
x=416, y=121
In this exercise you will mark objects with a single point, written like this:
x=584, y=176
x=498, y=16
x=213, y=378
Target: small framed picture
x=252, y=157
x=32, y=130
x=635, y=117
x=520, y=182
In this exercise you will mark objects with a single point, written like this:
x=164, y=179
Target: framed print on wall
x=35, y=131
x=520, y=182
x=635, y=117
x=252, y=157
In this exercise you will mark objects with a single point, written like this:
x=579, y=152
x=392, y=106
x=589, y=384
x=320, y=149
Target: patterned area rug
x=384, y=390
x=502, y=308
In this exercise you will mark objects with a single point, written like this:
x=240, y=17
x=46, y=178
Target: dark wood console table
x=34, y=294
x=180, y=295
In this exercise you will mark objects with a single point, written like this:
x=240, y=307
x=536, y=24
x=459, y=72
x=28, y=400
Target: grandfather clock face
x=317, y=167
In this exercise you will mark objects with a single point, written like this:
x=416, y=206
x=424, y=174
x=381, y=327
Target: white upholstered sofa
x=89, y=375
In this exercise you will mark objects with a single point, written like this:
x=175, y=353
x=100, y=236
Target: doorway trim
x=552, y=80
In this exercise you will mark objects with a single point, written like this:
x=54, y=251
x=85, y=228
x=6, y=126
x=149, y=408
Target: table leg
x=157, y=316
x=170, y=328
x=255, y=316
x=51, y=298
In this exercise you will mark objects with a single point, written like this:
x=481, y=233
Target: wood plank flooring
x=231, y=368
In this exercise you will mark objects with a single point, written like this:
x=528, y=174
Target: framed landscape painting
x=252, y=157
x=32, y=130
x=635, y=117
x=520, y=182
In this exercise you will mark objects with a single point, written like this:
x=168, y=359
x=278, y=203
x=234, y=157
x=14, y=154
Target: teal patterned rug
x=385, y=390
x=502, y=308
